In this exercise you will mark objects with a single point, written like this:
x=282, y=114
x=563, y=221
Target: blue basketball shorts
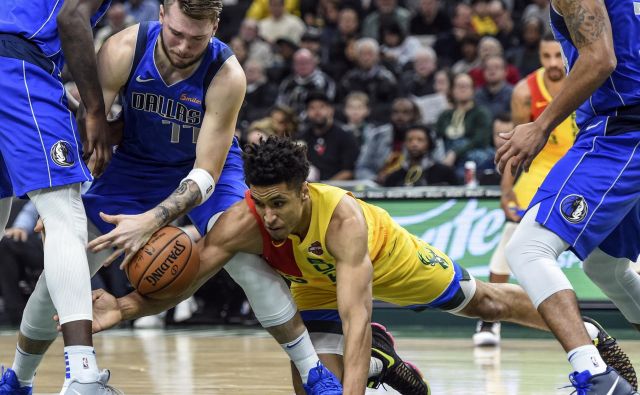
x=591, y=196
x=39, y=142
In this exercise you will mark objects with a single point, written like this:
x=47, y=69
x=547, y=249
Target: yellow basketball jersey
x=407, y=271
x=559, y=142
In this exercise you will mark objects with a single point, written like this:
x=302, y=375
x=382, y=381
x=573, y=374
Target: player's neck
x=305, y=221
x=553, y=87
x=169, y=73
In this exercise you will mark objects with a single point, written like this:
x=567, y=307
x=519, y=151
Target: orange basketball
x=165, y=266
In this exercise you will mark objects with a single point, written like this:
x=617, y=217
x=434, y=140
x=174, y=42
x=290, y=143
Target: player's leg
x=488, y=333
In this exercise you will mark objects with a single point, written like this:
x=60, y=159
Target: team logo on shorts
x=62, y=154
x=574, y=208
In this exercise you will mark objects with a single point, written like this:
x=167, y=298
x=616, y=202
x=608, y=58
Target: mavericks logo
x=574, y=208
x=62, y=154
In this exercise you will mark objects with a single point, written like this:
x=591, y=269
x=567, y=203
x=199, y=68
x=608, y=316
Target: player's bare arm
x=76, y=37
x=235, y=231
x=347, y=241
x=223, y=100
x=590, y=29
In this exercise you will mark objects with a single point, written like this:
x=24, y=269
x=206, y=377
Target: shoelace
x=405, y=380
x=323, y=384
x=3, y=384
x=580, y=389
x=613, y=355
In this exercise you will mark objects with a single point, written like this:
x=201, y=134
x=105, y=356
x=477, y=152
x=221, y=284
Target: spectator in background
x=21, y=250
x=143, y=10
x=280, y=24
x=416, y=166
x=306, y=78
x=486, y=171
x=371, y=77
x=284, y=121
x=448, y=44
x=331, y=150
x=538, y=9
x=385, y=140
x=481, y=21
x=490, y=46
x=397, y=48
x=465, y=129
x=419, y=84
x=117, y=20
x=282, y=66
x=356, y=110
x=495, y=95
x=469, y=52
x=258, y=49
x=504, y=21
x=260, y=9
x=260, y=96
x=525, y=57
x=311, y=40
x=334, y=56
x=240, y=50
x=386, y=11
x=429, y=20
x=259, y=130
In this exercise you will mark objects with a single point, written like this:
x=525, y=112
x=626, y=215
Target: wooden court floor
x=239, y=361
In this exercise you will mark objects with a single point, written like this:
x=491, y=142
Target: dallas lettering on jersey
x=165, y=107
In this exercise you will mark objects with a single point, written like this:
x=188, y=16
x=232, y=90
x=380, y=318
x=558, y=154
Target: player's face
x=281, y=208
x=551, y=60
x=184, y=39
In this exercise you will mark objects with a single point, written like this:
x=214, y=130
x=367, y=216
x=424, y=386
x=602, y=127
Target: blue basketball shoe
x=607, y=383
x=322, y=382
x=9, y=384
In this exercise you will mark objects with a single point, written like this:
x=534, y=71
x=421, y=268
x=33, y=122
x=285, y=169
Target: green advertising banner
x=469, y=230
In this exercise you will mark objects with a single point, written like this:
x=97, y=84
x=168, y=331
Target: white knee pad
x=498, y=263
x=37, y=319
x=617, y=280
x=65, y=257
x=266, y=291
x=532, y=254
x=5, y=211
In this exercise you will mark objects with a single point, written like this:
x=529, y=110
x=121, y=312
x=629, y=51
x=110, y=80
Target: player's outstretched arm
x=347, y=241
x=76, y=37
x=590, y=29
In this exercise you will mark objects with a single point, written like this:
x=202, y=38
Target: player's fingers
x=23, y=236
x=39, y=226
x=113, y=257
x=101, y=243
x=87, y=149
x=126, y=260
x=507, y=135
x=112, y=219
x=57, y=320
x=503, y=160
x=98, y=163
x=97, y=293
x=527, y=163
x=500, y=152
x=515, y=164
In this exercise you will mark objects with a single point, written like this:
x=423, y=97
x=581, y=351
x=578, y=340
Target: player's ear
x=161, y=18
x=304, y=191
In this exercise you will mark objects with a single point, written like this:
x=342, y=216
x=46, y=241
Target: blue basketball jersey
x=622, y=89
x=158, y=150
x=35, y=20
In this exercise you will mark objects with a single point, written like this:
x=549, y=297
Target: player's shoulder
x=521, y=90
x=123, y=42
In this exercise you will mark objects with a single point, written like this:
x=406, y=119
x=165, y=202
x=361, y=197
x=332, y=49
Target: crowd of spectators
x=396, y=92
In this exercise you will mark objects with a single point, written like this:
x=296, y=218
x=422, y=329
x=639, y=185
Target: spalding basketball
x=165, y=266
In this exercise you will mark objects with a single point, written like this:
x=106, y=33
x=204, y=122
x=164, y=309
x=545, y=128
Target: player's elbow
x=605, y=65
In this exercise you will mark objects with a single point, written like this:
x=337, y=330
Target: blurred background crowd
x=382, y=92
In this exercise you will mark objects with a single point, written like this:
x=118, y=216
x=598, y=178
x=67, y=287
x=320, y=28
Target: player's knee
x=62, y=211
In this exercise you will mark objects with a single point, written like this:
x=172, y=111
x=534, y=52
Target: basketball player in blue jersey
x=181, y=91
x=589, y=202
x=41, y=157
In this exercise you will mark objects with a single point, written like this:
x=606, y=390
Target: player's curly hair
x=275, y=160
x=198, y=9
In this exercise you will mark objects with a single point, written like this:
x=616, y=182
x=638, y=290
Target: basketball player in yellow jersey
x=530, y=97
x=340, y=253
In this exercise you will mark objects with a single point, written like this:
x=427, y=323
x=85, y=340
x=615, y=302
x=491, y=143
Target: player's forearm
x=77, y=43
x=588, y=73
x=357, y=350
x=180, y=202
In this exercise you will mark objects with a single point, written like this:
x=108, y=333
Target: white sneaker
x=487, y=334
x=185, y=309
x=150, y=322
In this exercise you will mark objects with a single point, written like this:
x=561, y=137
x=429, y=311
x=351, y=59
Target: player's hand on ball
x=130, y=234
x=106, y=312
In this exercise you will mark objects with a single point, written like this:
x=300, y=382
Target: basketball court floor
x=247, y=362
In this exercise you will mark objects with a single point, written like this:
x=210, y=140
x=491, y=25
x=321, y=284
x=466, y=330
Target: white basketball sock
x=25, y=365
x=302, y=354
x=586, y=358
x=375, y=367
x=80, y=363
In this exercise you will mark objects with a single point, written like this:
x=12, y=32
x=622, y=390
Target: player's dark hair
x=276, y=160
x=198, y=9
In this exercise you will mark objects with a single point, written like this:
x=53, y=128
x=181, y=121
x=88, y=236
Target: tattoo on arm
x=585, y=25
x=183, y=199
